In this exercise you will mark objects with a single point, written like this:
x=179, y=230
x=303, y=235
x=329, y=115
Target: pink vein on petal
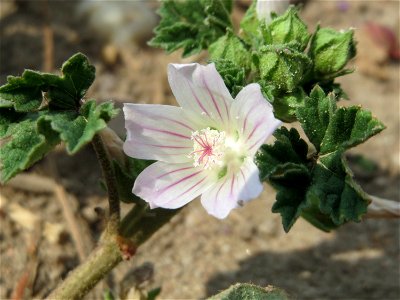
x=255, y=128
x=178, y=122
x=211, y=95
x=232, y=184
x=174, y=171
x=179, y=181
x=247, y=116
x=192, y=187
x=167, y=132
x=197, y=99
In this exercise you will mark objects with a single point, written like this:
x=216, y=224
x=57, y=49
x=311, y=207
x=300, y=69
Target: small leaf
x=291, y=181
x=232, y=74
x=331, y=129
x=61, y=92
x=76, y=130
x=24, y=92
x=22, y=143
x=152, y=294
x=247, y=291
x=286, y=105
x=288, y=147
x=335, y=191
x=191, y=25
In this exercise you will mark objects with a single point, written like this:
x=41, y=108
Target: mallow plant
x=270, y=72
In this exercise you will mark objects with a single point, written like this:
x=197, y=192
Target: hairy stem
x=80, y=281
x=108, y=254
x=111, y=182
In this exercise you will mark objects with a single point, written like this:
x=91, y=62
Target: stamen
x=208, y=148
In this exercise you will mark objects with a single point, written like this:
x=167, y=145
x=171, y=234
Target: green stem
x=142, y=223
x=111, y=183
x=80, y=281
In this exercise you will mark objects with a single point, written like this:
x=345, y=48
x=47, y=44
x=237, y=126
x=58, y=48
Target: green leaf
x=22, y=142
x=335, y=191
x=232, y=74
x=247, y=291
x=291, y=181
x=319, y=187
x=32, y=124
x=285, y=105
x=191, y=25
x=66, y=91
x=288, y=147
x=331, y=129
x=24, y=92
x=76, y=130
x=152, y=294
x=35, y=89
x=230, y=47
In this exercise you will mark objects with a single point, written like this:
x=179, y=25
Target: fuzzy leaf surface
x=319, y=187
x=191, y=25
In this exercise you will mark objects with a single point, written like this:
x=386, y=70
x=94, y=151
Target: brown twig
x=48, y=39
x=27, y=278
x=383, y=209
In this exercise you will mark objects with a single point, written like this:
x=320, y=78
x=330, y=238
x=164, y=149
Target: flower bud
x=281, y=66
x=331, y=50
x=289, y=28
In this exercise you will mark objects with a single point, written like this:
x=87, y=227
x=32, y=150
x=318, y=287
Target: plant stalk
x=108, y=254
x=111, y=183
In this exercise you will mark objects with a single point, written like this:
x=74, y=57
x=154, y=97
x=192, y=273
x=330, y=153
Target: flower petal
x=157, y=132
x=170, y=185
x=254, y=117
x=232, y=190
x=201, y=89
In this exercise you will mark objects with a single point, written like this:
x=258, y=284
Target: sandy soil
x=196, y=255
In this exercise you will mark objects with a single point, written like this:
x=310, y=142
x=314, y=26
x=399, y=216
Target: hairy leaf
x=76, y=130
x=34, y=89
x=39, y=110
x=191, y=25
x=22, y=142
x=247, y=291
x=331, y=129
x=232, y=74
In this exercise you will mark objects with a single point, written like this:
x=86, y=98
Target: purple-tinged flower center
x=208, y=148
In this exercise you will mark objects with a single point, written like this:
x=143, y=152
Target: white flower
x=205, y=147
x=265, y=7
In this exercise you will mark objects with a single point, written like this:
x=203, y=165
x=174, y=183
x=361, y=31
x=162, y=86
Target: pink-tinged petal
x=200, y=89
x=233, y=190
x=170, y=185
x=157, y=132
x=254, y=117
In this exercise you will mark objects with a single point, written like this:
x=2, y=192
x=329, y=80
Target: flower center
x=208, y=148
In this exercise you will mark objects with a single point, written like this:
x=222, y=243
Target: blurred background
x=195, y=255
